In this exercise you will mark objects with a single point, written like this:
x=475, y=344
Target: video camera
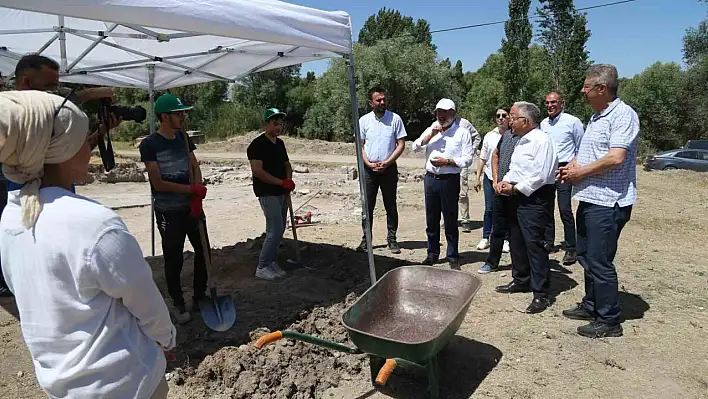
x=105, y=111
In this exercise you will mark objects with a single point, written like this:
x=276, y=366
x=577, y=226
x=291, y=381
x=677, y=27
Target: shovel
x=218, y=312
x=298, y=257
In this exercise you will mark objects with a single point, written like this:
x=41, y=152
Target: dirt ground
x=498, y=352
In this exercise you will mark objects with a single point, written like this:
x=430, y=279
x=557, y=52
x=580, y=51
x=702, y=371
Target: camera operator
x=92, y=317
x=178, y=204
x=37, y=72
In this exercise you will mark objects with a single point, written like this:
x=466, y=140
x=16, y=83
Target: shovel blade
x=218, y=312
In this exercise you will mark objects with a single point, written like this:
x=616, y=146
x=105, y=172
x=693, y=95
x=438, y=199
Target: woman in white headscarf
x=92, y=317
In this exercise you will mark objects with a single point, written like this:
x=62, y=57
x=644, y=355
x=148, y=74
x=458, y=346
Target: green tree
x=269, y=88
x=652, y=94
x=414, y=79
x=695, y=43
x=515, y=48
x=564, y=36
x=389, y=23
x=458, y=74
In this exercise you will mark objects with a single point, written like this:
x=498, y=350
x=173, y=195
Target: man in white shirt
x=448, y=148
x=383, y=137
x=530, y=184
x=565, y=131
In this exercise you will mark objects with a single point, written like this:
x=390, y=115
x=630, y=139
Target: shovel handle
x=385, y=372
x=268, y=339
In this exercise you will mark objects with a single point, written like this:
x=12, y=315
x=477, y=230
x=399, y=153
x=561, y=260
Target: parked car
x=697, y=144
x=691, y=159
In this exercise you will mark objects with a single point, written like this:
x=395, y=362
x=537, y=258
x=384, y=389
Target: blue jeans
x=488, y=207
x=441, y=196
x=599, y=229
x=275, y=210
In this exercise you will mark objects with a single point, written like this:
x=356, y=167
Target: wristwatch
x=448, y=161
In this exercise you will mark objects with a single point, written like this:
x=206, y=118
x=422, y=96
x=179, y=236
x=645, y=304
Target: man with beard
x=178, y=204
x=604, y=178
x=448, y=149
x=383, y=139
x=565, y=131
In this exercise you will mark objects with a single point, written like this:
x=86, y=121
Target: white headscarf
x=30, y=137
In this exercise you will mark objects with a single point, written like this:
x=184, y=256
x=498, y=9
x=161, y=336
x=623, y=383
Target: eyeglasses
x=502, y=116
x=514, y=118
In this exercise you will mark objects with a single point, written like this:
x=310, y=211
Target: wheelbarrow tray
x=411, y=312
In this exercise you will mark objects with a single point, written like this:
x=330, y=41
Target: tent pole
x=360, y=167
x=62, y=43
x=151, y=92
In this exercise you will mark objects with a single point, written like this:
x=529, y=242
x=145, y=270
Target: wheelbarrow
x=405, y=319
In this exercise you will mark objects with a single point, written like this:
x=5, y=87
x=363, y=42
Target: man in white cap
x=448, y=149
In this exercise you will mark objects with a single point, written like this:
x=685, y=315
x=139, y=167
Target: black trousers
x=501, y=210
x=441, y=196
x=387, y=181
x=174, y=227
x=564, y=192
x=527, y=224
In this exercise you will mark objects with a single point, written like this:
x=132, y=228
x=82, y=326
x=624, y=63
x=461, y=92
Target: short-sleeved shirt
x=381, y=134
x=274, y=156
x=173, y=160
x=490, y=142
x=616, y=127
x=507, y=143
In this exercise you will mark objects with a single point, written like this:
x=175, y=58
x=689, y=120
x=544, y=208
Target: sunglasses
x=502, y=116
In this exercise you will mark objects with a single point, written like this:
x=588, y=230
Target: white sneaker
x=266, y=273
x=276, y=268
x=506, y=247
x=483, y=244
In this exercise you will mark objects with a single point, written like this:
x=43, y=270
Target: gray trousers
x=275, y=210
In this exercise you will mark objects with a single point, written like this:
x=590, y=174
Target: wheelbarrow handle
x=385, y=372
x=275, y=336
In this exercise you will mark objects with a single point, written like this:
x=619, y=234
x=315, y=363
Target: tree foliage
x=410, y=72
x=564, y=35
x=515, y=48
x=695, y=43
x=387, y=24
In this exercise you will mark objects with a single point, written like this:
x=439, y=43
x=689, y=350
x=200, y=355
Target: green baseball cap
x=167, y=103
x=272, y=112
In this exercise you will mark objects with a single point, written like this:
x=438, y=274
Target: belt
x=443, y=176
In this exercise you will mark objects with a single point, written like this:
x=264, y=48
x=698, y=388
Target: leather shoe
x=570, y=258
x=512, y=288
x=454, y=264
x=430, y=261
x=578, y=313
x=598, y=329
x=538, y=305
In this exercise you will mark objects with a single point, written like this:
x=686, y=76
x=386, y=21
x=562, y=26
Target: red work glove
x=198, y=190
x=195, y=207
x=288, y=184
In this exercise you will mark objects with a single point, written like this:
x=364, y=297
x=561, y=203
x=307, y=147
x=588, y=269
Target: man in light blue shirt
x=565, y=131
x=604, y=181
x=383, y=137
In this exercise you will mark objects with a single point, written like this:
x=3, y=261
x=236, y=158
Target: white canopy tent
x=160, y=44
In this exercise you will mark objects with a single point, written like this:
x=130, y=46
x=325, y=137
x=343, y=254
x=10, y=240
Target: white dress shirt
x=489, y=145
x=533, y=163
x=454, y=143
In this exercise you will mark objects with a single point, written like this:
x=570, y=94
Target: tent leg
x=360, y=168
x=151, y=91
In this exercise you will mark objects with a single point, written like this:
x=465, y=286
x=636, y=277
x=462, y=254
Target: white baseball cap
x=445, y=104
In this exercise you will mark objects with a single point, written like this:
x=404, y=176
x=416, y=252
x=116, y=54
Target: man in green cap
x=178, y=204
x=272, y=181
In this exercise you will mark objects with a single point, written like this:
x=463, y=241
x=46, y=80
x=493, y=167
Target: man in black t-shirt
x=178, y=204
x=272, y=181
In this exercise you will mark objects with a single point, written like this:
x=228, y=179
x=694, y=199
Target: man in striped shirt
x=604, y=181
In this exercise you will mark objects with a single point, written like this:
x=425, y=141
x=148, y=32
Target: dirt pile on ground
x=286, y=368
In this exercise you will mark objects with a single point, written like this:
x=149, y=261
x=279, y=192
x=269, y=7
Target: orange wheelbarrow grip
x=385, y=371
x=268, y=339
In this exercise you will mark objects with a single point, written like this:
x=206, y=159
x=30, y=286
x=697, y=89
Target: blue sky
x=631, y=36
